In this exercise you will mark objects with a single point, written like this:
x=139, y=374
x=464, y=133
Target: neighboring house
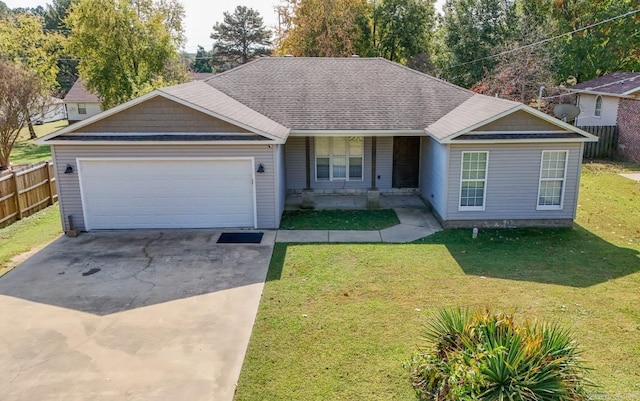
x=613, y=99
x=54, y=110
x=81, y=103
x=226, y=151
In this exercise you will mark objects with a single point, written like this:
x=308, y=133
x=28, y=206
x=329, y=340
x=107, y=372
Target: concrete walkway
x=415, y=223
x=633, y=176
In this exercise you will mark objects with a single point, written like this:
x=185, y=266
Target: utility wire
x=549, y=39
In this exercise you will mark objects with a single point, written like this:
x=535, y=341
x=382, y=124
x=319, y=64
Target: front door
x=406, y=161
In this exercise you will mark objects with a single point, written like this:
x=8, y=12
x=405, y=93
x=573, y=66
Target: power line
x=549, y=39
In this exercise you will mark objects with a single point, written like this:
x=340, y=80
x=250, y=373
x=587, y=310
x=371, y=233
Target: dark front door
x=406, y=161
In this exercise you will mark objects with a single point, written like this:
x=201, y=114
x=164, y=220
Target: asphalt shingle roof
x=616, y=83
x=79, y=94
x=202, y=95
x=473, y=111
x=340, y=93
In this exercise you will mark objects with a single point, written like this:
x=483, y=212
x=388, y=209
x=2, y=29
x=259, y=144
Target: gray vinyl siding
x=69, y=187
x=384, y=163
x=295, y=163
x=280, y=183
x=159, y=115
x=433, y=171
x=519, y=121
x=295, y=166
x=512, y=182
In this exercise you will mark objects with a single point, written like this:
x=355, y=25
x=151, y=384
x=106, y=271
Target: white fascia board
x=168, y=143
x=596, y=93
x=527, y=140
x=358, y=132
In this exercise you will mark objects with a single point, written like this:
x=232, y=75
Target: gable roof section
x=200, y=97
x=615, y=84
x=481, y=110
x=79, y=94
x=340, y=93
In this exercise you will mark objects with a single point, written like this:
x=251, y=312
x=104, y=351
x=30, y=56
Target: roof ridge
x=223, y=73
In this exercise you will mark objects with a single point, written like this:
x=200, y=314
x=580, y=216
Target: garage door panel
x=167, y=193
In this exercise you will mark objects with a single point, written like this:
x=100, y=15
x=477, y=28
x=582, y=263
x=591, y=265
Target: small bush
x=485, y=356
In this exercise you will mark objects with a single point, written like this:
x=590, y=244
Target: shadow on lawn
x=570, y=257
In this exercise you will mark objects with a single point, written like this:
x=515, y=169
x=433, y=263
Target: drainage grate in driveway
x=240, y=238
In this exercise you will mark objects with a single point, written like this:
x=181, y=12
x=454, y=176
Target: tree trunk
x=32, y=132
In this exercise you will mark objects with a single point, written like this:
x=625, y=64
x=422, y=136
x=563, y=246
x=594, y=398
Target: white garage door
x=170, y=193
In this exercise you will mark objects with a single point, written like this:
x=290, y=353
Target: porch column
x=373, y=163
x=307, y=151
x=307, y=193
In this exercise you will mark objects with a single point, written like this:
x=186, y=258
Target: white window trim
x=597, y=112
x=84, y=106
x=330, y=156
x=564, y=181
x=486, y=183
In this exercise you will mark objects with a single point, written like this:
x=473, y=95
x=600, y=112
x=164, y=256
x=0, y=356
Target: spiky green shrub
x=489, y=356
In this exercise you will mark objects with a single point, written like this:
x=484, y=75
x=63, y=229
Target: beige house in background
x=81, y=103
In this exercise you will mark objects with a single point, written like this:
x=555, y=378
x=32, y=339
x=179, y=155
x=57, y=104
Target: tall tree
x=54, y=20
x=126, y=48
x=324, y=28
x=23, y=40
x=471, y=31
x=202, y=61
x=606, y=48
x=240, y=38
x=402, y=30
x=20, y=92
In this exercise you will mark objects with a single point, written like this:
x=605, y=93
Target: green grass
x=25, y=151
x=338, y=219
x=27, y=234
x=312, y=342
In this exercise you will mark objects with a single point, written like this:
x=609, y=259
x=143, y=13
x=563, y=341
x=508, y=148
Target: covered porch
x=353, y=163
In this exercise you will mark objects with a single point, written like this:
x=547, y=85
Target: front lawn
x=338, y=219
x=28, y=234
x=337, y=320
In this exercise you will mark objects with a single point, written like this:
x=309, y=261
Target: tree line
x=497, y=47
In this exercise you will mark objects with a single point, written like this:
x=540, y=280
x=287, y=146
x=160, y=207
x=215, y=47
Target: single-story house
x=81, y=103
x=53, y=110
x=613, y=100
x=225, y=152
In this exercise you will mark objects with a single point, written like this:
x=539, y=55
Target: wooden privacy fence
x=607, y=145
x=25, y=191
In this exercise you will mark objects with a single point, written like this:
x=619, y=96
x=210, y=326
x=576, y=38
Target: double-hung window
x=82, y=108
x=473, y=180
x=553, y=170
x=339, y=158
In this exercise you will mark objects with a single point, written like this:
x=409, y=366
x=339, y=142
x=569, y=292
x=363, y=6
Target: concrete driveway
x=131, y=315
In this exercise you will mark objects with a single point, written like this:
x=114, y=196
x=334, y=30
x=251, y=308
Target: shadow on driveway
x=108, y=272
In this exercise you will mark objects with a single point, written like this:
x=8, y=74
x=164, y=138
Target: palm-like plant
x=486, y=356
